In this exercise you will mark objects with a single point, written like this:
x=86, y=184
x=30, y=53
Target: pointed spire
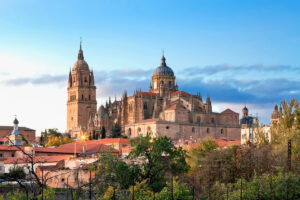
x=163, y=59
x=80, y=52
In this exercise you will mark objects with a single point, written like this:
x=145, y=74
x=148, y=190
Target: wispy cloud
x=215, y=69
x=40, y=80
x=231, y=89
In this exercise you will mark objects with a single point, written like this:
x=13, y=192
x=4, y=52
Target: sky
x=237, y=52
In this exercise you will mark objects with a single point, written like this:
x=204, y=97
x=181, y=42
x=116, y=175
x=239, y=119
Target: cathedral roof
x=179, y=92
x=80, y=64
x=163, y=69
x=176, y=107
x=228, y=111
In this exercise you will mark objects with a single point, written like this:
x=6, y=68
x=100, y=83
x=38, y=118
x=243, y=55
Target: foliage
x=48, y=193
x=16, y=173
x=267, y=186
x=181, y=191
x=288, y=128
x=57, y=141
x=103, y=132
x=159, y=156
x=115, y=131
x=18, y=195
x=115, y=173
x=48, y=133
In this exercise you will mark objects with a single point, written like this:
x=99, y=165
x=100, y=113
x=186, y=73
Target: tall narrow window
x=89, y=97
x=198, y=120
x=81, y=97
x=170, y=84
x=207, y=130
x=85, y=79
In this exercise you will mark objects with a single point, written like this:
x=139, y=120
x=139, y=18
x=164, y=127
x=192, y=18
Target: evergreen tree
x=115, y=131
x=103, y=132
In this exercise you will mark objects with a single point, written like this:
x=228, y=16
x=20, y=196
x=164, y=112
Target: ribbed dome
x=163, y=69
x=80, y=63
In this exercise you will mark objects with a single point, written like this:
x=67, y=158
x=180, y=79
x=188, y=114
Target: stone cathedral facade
x=163, y=110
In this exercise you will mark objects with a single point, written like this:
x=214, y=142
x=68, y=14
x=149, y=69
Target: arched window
x=81, y=97
x=198, y=120
x=85, y=79
x=222, y=131
x=193, y=130
x=129, y=132
x=213, y=120
x=161, y=82
x=170, y=84
x=148, y=129
x=145, y=106
x=167, y=127
x=207, y=130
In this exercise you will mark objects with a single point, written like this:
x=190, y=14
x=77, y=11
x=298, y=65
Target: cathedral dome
x=163, y=69
x=80, y=64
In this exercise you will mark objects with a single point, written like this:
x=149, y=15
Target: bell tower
x=82, y=104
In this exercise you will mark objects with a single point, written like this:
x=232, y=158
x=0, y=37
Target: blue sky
x=237, y=52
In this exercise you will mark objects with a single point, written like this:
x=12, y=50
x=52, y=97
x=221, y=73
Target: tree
x=49, y=133
x=103, y=132
x=159, y=158
x=115, y=131
x=114, y=175
x=57, y=141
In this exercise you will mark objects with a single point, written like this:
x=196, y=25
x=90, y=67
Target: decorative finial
x=80, y=42
x=80, y=52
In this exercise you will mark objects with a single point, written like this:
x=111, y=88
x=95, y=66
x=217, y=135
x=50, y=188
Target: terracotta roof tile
x=176, y=107
x=223, y=143
x=179, y=92
x=10, y=148
x=37, y=159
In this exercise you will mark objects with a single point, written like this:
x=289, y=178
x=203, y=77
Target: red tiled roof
x=179, y=92
x=114, y=140
x=223, y=143
x=37, y=159
x=10, y=148
x=228, y=111
x=3, y=139
x=175, y=107
x=92, y=146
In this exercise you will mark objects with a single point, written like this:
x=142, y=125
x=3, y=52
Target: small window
x=81, y=97
x=1, y=155
x=139, y=129
x=89, y=97
x=170, y=84
x=222, y=131
x=129, y=131
x=145, y=105
x=62, y=180
x=12, y=155
x=167, y=127
x=207, y=130
x=213, y=120
x=162, y=82
x=85, y=79
x=193, y=130
x=198, y=120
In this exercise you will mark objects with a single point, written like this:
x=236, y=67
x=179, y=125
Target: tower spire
x=80, y=52
x=163, y=59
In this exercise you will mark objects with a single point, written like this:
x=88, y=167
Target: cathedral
x=164, y=110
